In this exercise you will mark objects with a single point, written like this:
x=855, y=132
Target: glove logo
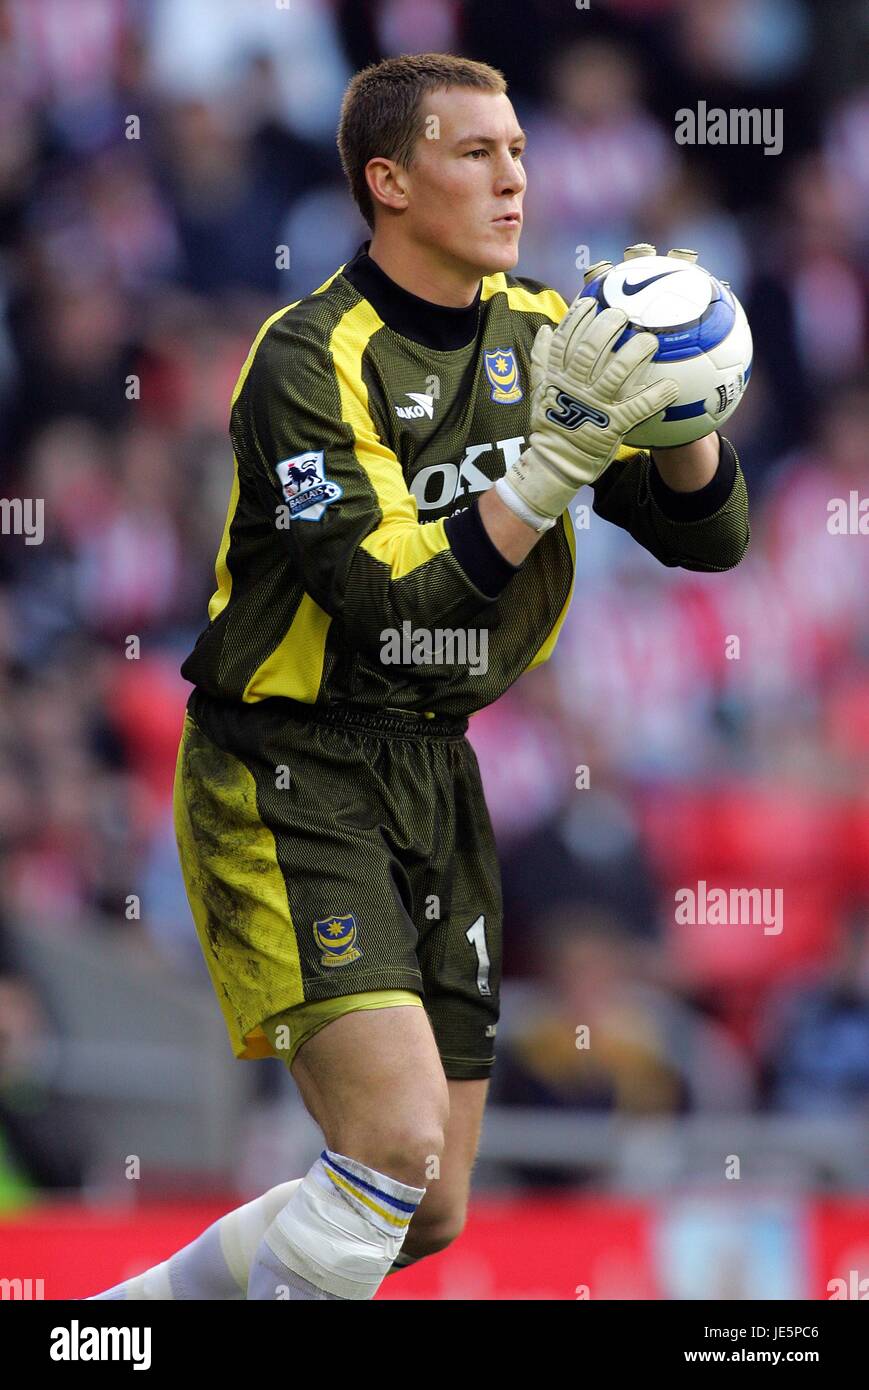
x=574, y=413
x=503, y=375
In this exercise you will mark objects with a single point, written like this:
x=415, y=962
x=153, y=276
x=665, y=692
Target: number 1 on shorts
x=476, y=934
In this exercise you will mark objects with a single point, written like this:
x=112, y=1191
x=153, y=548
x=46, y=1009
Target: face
x=462, y=196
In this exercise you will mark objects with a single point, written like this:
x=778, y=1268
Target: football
x=704, y=341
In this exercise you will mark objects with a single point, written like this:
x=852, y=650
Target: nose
x=510, y=176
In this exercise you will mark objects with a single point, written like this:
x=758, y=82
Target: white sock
x=215, y=1265
x=338, y=1235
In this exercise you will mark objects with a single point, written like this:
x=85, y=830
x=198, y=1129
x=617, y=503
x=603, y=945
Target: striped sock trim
x=329, y=1160
x=389, y=1203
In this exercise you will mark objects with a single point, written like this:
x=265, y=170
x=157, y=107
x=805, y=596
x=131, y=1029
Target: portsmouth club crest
x=336, y=936
x=307, y=490
x=503, y=375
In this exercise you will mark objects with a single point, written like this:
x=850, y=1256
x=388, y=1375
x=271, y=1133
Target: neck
x=424, y=272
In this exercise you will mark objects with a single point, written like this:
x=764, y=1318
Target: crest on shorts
x=337, y=938
x=503, y=374
x=307, y=491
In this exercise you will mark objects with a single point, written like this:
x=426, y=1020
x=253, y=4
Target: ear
x=387, y=183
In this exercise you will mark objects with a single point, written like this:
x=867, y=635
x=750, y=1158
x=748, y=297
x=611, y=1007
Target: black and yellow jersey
x=365, y=424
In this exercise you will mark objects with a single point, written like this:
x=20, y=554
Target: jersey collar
x=432, y=325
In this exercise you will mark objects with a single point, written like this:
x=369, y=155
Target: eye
x=518, y=151
x=475, y=152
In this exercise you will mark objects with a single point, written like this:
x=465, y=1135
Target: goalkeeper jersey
x=365, y=424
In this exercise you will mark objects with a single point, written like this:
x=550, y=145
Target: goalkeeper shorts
x=331, y=853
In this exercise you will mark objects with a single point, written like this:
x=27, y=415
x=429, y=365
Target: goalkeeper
x=407, y=441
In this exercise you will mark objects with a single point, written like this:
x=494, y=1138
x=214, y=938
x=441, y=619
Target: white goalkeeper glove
x=583, y=404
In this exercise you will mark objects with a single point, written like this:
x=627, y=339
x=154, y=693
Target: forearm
x=511, y=536
x=689, y=467
x=684, y=469
x=700, y=528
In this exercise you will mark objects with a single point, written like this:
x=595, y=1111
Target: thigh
x=373, y=1079
x=295, y=894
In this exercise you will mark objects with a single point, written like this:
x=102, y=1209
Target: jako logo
x=424, y=407
x=441, y=483
x=75, y=1343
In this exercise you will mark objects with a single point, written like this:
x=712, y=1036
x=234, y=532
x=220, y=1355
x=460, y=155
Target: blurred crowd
x=153, y=158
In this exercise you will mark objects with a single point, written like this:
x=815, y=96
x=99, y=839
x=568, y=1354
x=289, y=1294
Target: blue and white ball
x=704, y=341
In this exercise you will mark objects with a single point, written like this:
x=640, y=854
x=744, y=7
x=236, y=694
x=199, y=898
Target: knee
x=401, y=1144
x=407, y=1152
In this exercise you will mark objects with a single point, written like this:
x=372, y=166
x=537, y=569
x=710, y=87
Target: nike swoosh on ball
x=641, y=284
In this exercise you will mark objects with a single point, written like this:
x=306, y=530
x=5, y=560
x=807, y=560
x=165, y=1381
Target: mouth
x=509, y=219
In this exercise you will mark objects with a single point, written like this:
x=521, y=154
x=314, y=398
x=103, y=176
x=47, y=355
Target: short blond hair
x=381, y=111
